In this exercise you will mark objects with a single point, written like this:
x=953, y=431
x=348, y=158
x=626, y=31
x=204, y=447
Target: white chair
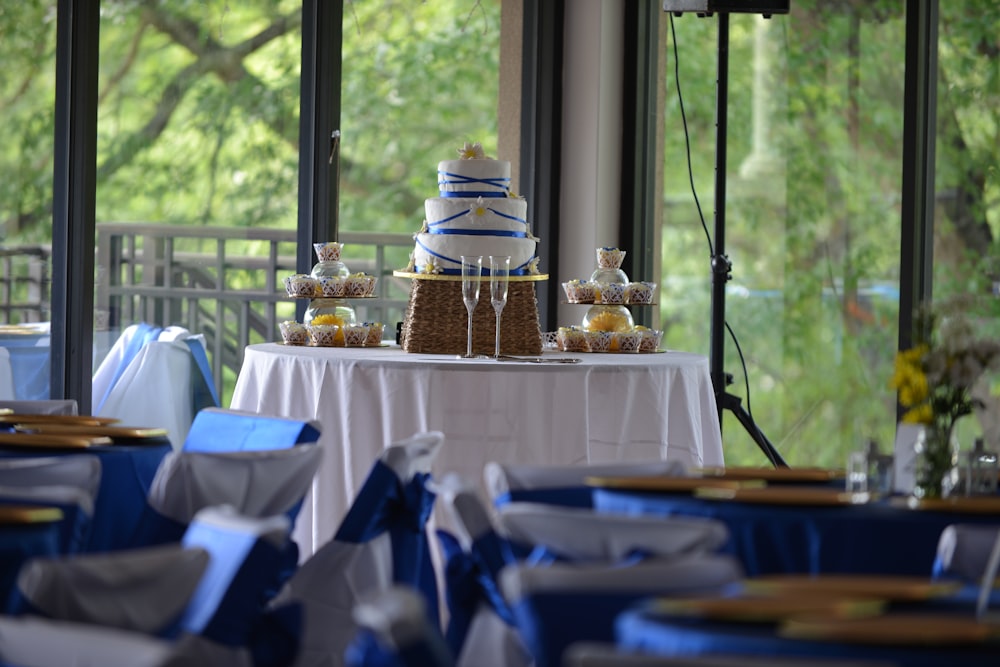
x=68, y=482
x=394, y=627
x=541, y=554
x=81, y=613
x=381, y=542
x=963, y=551
x=149, y=362
x=560, y=604
x=583, y=535
x=562, y=484
x=114, y=589
x=254, y=483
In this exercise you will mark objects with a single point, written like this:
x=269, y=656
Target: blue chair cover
x=73, y=529
x=204, y=394
x=470, y=581
x=19, y=543
x=127, y=472
x=229, y=602
x=386, y=504
x=568, y=496
x=227, y=431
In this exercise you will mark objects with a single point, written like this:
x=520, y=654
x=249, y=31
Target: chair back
x=576, y=534
x=382, y=541
x=561, y=604
x=69, y=482
x=169, y=363
x=246, y=560
x=223, y=430
x=963, y=551
x=256, y=483
x=141, y=590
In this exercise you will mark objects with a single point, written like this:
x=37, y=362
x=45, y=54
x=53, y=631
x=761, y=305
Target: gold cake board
x=436, y=320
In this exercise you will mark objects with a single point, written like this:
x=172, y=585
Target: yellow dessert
x=332, y=319
x=608, y=320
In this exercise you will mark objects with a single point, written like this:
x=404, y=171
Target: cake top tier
x=474, y=174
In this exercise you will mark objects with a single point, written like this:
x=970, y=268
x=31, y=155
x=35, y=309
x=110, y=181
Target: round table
x=610, y=407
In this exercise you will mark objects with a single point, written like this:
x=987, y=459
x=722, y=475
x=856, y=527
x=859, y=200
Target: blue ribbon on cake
x=458, y=179
x=518, y=271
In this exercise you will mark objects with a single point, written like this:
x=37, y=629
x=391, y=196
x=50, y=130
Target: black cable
x=687, y=137
x=711, y=250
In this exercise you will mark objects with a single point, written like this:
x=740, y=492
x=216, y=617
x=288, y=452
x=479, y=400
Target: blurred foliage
x=812, y=214
x=198, y=125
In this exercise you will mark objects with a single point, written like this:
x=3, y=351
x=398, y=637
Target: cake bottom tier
x=436, y=320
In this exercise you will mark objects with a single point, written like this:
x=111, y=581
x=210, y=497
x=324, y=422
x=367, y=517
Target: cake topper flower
x=478, y=209
x=431, y=266
x=533, y=267
x=472, y=151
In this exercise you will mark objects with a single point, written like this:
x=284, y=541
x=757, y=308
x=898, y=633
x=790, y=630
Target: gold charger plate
x=892, y=629
x=88, y=430
x=774, y=474
x=19, y=418
x=767, y=608
x=878, y=586
x=784, y=495
x=51, y=440
x=665, y=484
x=968, y=505
x=10, y=514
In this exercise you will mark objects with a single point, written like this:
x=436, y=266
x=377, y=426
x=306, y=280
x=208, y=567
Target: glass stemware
x=499, y=279
x=472, y=269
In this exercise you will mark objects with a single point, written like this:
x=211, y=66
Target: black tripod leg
x=735, y=405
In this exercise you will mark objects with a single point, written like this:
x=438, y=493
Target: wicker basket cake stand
x=436, y=319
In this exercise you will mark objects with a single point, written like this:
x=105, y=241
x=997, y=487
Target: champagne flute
x=499, y=278
x=472, y=269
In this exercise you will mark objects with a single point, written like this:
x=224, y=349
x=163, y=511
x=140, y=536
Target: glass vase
x=937, y=458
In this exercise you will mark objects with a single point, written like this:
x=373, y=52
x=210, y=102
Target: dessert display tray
x=593, y=302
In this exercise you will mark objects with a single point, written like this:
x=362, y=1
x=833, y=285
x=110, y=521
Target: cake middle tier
x=481, y=226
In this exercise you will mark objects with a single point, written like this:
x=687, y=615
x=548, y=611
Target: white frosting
x=474, y=177
x=506, y=215
x=475, y=215
x=446, y=250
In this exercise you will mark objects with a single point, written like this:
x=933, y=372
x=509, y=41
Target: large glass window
x=812, y=219
x=419, y=79
x=27, y=107
x=197, y=170
x=815, y=119
x=967, y=184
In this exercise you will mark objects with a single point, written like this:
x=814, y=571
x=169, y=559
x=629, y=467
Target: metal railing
x=227, y=283
x=25, y=283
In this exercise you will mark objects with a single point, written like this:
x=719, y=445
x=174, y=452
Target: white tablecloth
x=612, y=407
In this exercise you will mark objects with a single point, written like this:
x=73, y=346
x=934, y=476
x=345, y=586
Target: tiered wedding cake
x=475, y=213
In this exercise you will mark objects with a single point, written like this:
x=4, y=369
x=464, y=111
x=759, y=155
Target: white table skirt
x=612, y=407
